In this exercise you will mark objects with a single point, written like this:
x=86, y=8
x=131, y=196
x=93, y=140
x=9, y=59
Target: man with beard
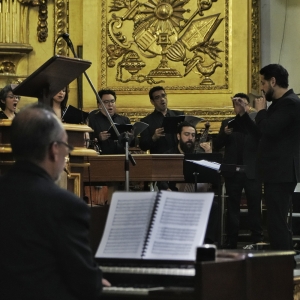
x=240, y=148
x=278, y=161
x=186, y=135
x=154, y=138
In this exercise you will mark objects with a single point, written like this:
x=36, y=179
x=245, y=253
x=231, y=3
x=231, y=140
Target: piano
x=234, y=275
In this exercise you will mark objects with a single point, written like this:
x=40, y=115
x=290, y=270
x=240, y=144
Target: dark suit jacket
x=155, y=120
x=99, y=122
x=278, y=158
x=44, y=252
x=240, y=147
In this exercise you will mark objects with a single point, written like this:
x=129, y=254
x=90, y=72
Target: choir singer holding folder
x=154, y=138
x=99, y=122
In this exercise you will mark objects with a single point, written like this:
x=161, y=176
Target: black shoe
x=229, y=246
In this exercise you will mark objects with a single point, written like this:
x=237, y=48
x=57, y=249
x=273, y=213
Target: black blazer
x=240, y=147
x=278, y=157
x=44, y=233
x=163, y=144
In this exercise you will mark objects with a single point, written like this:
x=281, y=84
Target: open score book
x=155, y=225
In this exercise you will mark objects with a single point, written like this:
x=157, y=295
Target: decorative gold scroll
x=183, y=45
x=42, y=28
x=255, y=47
x=61, y=21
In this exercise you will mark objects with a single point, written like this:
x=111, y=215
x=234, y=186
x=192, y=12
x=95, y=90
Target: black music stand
x=194, y=172
x=54, y=75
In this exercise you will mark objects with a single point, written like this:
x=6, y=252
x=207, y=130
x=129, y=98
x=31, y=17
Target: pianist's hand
x=105, y=282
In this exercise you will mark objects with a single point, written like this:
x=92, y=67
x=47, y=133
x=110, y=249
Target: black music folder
x=54, y=75
x=135, y=129
x=155, y=225
x=170, y=123
x=73, y=115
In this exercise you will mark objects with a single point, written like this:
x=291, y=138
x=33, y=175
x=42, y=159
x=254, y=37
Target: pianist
x=44, y=229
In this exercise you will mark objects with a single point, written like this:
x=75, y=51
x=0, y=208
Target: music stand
x=54, y=75
x=196, y=173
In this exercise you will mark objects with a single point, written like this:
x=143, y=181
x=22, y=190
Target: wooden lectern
x=54, y=75
x=44, y=83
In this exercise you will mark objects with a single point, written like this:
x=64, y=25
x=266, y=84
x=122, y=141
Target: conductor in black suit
x=154, y=138
x=278, y=157
x=45, y=252
x=240, y=149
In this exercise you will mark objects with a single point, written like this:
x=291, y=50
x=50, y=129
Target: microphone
x=67, y=39
x=64, y=35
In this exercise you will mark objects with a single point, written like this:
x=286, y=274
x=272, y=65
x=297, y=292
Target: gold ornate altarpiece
x=185, y=46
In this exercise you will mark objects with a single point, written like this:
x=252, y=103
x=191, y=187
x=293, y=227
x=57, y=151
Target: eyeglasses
x=158, y=97
x=13, y=97
x=109, y=101
x=71, y=148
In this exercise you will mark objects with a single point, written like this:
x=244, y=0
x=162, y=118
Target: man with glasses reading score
x=46, y=253
x=99, y=122
x=154, y=138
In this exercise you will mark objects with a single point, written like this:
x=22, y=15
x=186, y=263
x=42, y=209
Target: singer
x=278, y=161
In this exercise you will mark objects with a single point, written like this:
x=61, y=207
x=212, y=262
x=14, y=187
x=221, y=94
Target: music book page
x=205, y=163
x=179, y=225
x=127, y=224
x=150, y=225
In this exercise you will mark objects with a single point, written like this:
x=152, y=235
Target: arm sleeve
x=75, y=260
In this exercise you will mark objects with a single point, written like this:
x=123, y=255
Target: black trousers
x=253, y=190
x=278, y=200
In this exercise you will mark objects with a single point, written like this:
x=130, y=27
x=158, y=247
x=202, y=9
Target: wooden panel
x=154, y=167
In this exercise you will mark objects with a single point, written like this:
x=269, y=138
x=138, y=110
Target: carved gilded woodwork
x=61, y=22
x=182, y=44
x=42, y=28
x=255, y=47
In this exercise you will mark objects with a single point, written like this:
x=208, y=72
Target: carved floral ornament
x=42, y=29
x=166, y=29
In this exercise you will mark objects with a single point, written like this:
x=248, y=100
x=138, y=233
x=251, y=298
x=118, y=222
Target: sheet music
x=179, y=226
x=207, y=164
x=127, y=225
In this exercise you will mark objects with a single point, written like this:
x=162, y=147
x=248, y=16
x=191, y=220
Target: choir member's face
x=159, y=100
x=11, y=102
x=187, y=139
x=60, y=96
x=110, y=103
x=267, y=87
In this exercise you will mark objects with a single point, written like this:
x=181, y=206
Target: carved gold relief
x=61, y=25
x=42, y=28
x=164, y=40
x=7, y=67
x=255, y=46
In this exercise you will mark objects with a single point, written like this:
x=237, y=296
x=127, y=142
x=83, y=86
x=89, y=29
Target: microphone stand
x=128, y=155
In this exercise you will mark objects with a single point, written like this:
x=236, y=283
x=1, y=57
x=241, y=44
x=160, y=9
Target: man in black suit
x=100, y=123
x=45, y=252
x=278, y=157
x=154, y=138
x=240, y=149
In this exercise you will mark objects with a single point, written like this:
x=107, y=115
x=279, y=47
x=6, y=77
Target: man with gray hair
x=45, y=252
